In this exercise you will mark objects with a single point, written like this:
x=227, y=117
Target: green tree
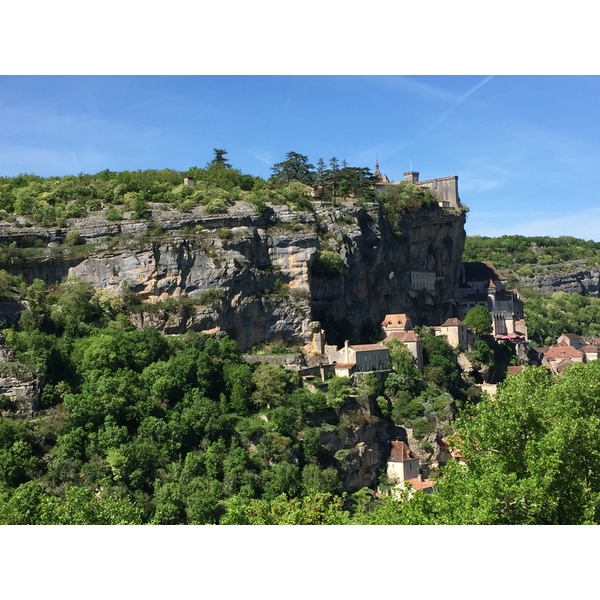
x=479, y=318
x=295, y=167
x=271, y=383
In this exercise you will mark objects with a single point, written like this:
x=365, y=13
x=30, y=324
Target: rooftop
x=400, y=452
x=403, y=336
x=453, y=322
x=560, y=352
x=368, y=347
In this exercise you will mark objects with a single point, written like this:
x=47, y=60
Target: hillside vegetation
x=548, y=315
x=520, y=256
x=53, y=200
x=137, y=427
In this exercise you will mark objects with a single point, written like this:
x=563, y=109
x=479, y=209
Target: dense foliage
x=530, y=457
x=136, y=427
x=524, y=256
x=550, y=315
x=52, y=200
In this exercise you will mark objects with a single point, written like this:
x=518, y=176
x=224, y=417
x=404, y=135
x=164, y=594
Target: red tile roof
x=559, y=352
x=454, y=322
x=419, y=484
x=396, y=320
x=403, y=336
x=400, y=452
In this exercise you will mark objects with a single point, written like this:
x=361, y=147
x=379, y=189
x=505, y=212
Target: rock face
x=19, y=392
x=359, y=445
x=580, y=279
x=251, y=275
x=380, y=263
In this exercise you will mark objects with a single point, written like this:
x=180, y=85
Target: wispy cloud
x=471, y=91
x=417, y=87
x=458, y=101
x=263, y=156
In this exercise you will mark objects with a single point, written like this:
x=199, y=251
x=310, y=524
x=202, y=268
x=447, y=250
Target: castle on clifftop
x=445, y=189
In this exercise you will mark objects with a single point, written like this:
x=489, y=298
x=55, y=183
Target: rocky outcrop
x=19, y=391
x=573, y=278
x=380, y=258
x=251, y=274
x=358, y=445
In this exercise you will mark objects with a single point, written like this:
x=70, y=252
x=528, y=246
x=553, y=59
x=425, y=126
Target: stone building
x=456, y=332
x=444, y=189
x=399, y=327
x=403, y=467
x=481, y=284
x=360, y=358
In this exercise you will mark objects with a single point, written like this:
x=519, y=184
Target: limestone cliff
x=251, y=274
x=575, y=277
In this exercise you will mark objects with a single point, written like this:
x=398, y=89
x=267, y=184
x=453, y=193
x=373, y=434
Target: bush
x=113, y=214
x=329, y=265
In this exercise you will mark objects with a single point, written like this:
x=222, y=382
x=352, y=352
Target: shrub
x=113, y=214
x=329, y=265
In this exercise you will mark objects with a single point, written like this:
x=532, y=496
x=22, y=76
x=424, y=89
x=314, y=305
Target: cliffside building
x=403, y=467
x=481, y=284
x=361, y=358
x=456, y=332
x=399, y=327
x=445, y=189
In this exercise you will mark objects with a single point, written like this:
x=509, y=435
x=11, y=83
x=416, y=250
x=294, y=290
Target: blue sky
x=526, y=149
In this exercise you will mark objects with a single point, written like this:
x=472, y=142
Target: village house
x=557, y=358
x=360, y=358
x=403, y=468
x=569, y=348
x=399, y=327
x=456, y=332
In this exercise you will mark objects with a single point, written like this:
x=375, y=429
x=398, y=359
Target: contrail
x=76, y=162
x=473, y=90
x=456, y=102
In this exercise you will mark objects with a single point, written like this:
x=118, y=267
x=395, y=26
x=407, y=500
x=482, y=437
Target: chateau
x=445, y=189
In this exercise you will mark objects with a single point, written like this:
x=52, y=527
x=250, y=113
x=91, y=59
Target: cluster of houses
x=569, y=348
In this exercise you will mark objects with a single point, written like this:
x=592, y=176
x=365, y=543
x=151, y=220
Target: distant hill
x=558, y=278
x=524, y=257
